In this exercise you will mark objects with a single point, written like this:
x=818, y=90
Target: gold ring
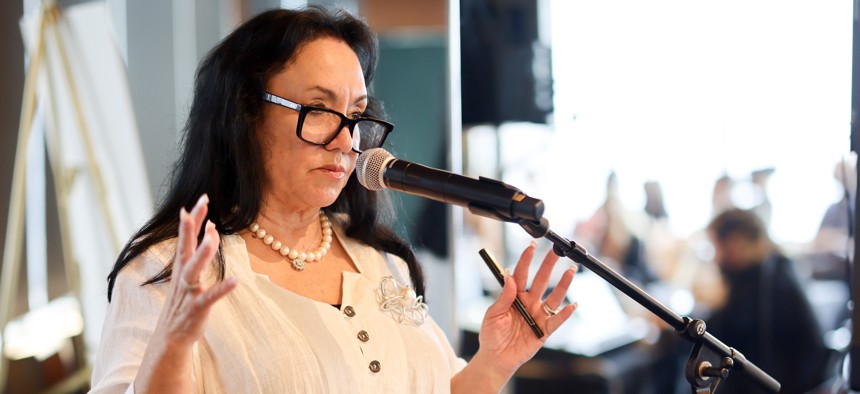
x=185, y=286
x=549, y=311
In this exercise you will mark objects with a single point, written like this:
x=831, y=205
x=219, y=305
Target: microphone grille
x=370, y=166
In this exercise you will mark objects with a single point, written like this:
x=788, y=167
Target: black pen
x=497, y=272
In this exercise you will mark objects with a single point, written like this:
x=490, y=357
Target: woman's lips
x=336, y=172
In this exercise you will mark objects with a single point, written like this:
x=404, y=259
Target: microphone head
x=370, y=166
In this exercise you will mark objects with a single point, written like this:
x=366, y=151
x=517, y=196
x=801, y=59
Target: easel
x=48, y=24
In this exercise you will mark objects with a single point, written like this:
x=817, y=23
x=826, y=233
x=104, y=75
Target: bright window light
x=683, y=92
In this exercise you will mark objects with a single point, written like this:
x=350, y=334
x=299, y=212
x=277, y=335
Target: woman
x=283, y=277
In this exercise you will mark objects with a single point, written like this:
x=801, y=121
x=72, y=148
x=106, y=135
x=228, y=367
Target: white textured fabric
x=262, y=338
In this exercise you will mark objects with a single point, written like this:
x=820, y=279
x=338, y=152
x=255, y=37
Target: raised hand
x=506, y=341
x=184, y=316
x=167, y=363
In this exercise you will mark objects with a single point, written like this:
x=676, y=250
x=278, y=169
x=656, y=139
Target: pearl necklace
x=298, y=259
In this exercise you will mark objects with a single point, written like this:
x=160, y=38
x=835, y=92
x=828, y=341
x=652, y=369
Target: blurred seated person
x=608, y=236
x=835, y=234
x=694, y=269
x=766, y=315
x=759, y=179
x=721, y=196
x=663, y=249
x=655, y=208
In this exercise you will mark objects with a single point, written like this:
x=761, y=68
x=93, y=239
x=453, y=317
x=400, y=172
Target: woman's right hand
x=166, y=366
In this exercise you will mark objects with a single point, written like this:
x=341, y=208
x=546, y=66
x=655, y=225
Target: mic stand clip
x=700, y=370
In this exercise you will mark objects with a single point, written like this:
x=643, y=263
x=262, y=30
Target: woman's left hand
x=506, y=340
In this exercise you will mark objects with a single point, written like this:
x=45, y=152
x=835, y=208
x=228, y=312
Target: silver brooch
x=401, y=303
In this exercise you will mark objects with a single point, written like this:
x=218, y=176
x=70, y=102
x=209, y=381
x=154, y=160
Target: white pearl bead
x=327, y=239
x=284, y=251
x=326, y=231
x=317, y=256
x=269, y=239
x=255, y=227
x=294, y=254
x=326, y=246
x=311, y=258
x=261, y=233
x=276, y=245
x=303, y=256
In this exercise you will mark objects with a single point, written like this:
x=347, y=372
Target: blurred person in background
x=763, y=207
x=662, y=248
x=695, y=269
x=835, y=238
x=721, y=197
x=766, y=315
x=655, y=207
x=608, y=234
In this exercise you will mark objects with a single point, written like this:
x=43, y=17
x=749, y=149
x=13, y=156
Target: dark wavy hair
x=221, y=152
x=744, y=223
x=736, y=221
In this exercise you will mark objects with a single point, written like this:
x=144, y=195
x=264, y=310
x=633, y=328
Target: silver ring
x=549, y=311
x=189, y=287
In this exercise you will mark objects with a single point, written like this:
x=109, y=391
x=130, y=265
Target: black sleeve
x=799, y=349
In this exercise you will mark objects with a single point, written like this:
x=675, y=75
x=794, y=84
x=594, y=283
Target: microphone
x=377, y=169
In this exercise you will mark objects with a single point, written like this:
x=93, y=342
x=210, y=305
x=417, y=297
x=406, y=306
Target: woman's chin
x=325, y=197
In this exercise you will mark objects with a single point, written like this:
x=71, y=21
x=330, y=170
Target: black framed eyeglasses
x=320, y=126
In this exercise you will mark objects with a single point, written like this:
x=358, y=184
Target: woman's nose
x=343, y=140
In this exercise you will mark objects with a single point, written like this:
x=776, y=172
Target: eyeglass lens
x=320, y=126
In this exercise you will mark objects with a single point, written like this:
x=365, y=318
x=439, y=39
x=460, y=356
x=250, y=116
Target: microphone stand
x=710, y=360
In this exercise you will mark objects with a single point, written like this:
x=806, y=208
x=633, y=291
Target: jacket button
x=349, y=311
x=362, y=336
x=374, y=366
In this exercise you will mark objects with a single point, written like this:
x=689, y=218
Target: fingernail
x=209, y=224
x=508, y=271
x=533, y=244
x=575, y=304
x=574, y=268
x=182, y=214
x=203, y=199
